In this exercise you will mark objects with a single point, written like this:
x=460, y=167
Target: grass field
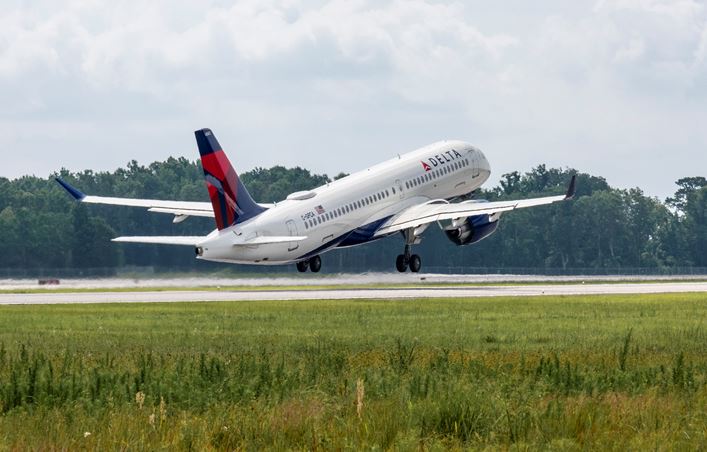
x=557, y=373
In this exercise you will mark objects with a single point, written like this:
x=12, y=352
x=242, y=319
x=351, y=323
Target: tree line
x=41, y=226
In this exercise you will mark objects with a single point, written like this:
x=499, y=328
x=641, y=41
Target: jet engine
x=465, y=231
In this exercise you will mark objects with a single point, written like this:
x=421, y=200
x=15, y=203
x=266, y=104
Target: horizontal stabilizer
x=266, y=240
x=162, y=240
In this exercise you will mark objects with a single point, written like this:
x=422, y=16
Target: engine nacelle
x=465, y=231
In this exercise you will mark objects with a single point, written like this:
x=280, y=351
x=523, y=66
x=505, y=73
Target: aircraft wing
x=180, y=209
x=441, y=210
x=162, y=240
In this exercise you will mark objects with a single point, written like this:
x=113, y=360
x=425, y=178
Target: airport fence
x=237, y=270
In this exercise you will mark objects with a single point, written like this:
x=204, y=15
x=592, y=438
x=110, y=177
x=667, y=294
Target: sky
x=615, y=88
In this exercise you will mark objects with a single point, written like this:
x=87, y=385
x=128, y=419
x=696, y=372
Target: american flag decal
x=319, y=210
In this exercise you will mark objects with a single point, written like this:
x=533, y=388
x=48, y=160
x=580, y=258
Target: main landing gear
x=314, y=263
x=405, y=260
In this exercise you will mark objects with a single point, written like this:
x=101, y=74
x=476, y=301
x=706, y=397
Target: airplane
x=403, y=195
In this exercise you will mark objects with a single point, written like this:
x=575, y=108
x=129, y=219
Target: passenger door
x=292, y=229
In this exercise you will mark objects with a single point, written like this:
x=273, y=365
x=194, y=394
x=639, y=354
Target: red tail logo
x=426, y=166
x=231, y=201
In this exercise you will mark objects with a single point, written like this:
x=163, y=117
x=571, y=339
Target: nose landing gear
x=314, y=263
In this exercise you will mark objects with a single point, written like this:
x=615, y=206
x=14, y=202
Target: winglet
x=73, y=191
x=572, y=189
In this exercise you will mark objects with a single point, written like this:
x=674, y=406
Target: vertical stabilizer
x=230, y=199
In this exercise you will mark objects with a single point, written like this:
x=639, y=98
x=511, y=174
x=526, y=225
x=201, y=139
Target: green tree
x=695, y=223
x=12, y=251
x=687, y=186
x=91, y=245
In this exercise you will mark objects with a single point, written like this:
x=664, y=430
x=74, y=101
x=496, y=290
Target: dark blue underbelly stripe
x=357, y=236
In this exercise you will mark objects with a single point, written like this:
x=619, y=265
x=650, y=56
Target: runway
x=168, y=296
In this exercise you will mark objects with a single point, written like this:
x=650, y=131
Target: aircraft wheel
x=315, y=264
x=302, y=266
x=415, y=263
x=400, y=263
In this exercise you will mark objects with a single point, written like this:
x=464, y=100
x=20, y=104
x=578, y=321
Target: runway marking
x=345, y=294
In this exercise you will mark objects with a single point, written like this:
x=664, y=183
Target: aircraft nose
x=483, y=162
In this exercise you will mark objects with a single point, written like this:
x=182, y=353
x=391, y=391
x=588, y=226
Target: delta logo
x=441, y=159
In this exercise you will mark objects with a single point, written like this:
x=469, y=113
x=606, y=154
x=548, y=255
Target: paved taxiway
x=373, y=293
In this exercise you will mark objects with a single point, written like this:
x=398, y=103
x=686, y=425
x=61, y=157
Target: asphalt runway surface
x=167, y=296
x=308, y=279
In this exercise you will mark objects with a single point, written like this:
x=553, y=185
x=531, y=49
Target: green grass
x=559, y=373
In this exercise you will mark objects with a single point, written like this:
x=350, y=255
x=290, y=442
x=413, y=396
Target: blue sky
x=616, y=88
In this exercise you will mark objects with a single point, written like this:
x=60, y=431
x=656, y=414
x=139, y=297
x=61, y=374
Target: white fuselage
x=348, y=211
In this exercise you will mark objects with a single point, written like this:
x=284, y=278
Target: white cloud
x=579, y=85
